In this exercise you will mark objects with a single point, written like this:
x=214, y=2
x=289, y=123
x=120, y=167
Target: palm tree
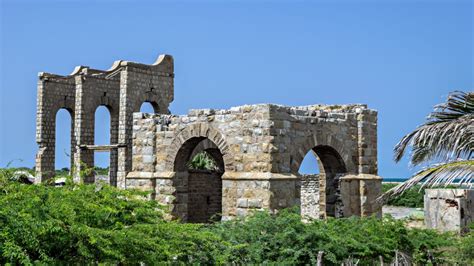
x=446, y=140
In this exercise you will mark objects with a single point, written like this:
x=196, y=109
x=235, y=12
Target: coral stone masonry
x=258, y=149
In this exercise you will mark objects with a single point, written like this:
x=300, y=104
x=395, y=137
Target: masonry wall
x=309, y=197
x=92, y=91
x=449, y=209
x=262, y=147
x=122, y=89
x=141, y=83
x=54, y=93
x=205, y=196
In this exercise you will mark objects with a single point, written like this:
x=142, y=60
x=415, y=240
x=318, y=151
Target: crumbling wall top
x=164, y=63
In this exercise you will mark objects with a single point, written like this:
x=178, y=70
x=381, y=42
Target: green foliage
x=101, y=171
x=89, y=224
x=466, y=247
x=202, y=161
x=412, y=198
x=81, y=224
x=431, y=246
x=264, y=238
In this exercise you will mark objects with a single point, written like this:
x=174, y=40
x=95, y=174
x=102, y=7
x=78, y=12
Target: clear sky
x=399, y=57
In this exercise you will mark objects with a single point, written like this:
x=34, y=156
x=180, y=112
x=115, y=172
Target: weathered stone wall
x=310, y=197
x=258, y=148
x=449, y=209
x=359, y=194
x=262, y=147
x=141, y=83
x=54, y=93
x=122, y=89
x=205, y=196
x=92, y=91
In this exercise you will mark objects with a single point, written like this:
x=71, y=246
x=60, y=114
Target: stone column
x=84, y=133
x=54, y=92
x=124, y=164
x=367, y=141
x=359, y=193
x=246, y=192
x=309, y=196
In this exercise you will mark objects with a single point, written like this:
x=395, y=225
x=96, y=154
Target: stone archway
x=58, y=132
x=198, y=192
x=203, y=131
x=332, y=167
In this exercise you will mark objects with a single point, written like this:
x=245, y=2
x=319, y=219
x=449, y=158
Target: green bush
x=89, y=224
x=412, y=198
x=265, y=238
x=466, y=247
x=84, y=224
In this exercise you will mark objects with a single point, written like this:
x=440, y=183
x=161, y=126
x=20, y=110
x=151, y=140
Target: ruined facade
x=122, y=89
x=258, y=149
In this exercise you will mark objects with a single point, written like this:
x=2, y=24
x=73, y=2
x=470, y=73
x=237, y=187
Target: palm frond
x=448, y=133
x=456, y=172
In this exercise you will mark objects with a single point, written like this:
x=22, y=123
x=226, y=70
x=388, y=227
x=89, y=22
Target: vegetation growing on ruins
x=102, y=224
x=202, y=161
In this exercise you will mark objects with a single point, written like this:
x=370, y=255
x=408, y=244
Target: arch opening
x=149, y=107
x=198, y=182
x=102, y=136
x=63, y=152
x=320, y=171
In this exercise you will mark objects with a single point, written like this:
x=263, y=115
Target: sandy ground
x=414, y=217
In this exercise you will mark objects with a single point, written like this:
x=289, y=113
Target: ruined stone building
x=257, y=149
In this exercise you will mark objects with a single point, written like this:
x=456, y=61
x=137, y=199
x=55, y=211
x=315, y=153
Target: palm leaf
x=447, y=134
x=460, y=172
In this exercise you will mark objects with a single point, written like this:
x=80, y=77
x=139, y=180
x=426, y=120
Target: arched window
x=321, y=168
x=310, y=165
x=199, y=165
x=63, y=151
x=147, y=107
x=102, y=137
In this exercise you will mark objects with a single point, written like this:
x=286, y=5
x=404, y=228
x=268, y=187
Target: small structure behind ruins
x=257, y=149
x=449, y=209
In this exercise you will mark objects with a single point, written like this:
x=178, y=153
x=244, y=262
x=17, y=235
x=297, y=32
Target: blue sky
x=399, y=57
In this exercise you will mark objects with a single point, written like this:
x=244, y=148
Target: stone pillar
x=113, y=161
x=359, y=194
x=449, y=209
x=141, y=83
x=367, y=141
x=45, y=135
x=309, y=196
x=54, y=92
x=124, y=164
x=84, y=133
x=246, y=192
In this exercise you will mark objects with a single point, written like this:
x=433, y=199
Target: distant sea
x=404, y=179
x=394, y=179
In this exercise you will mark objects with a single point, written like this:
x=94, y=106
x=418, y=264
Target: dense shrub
x=466, y=247
x=84, y=224
x=265, y=238
x=412, y=198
